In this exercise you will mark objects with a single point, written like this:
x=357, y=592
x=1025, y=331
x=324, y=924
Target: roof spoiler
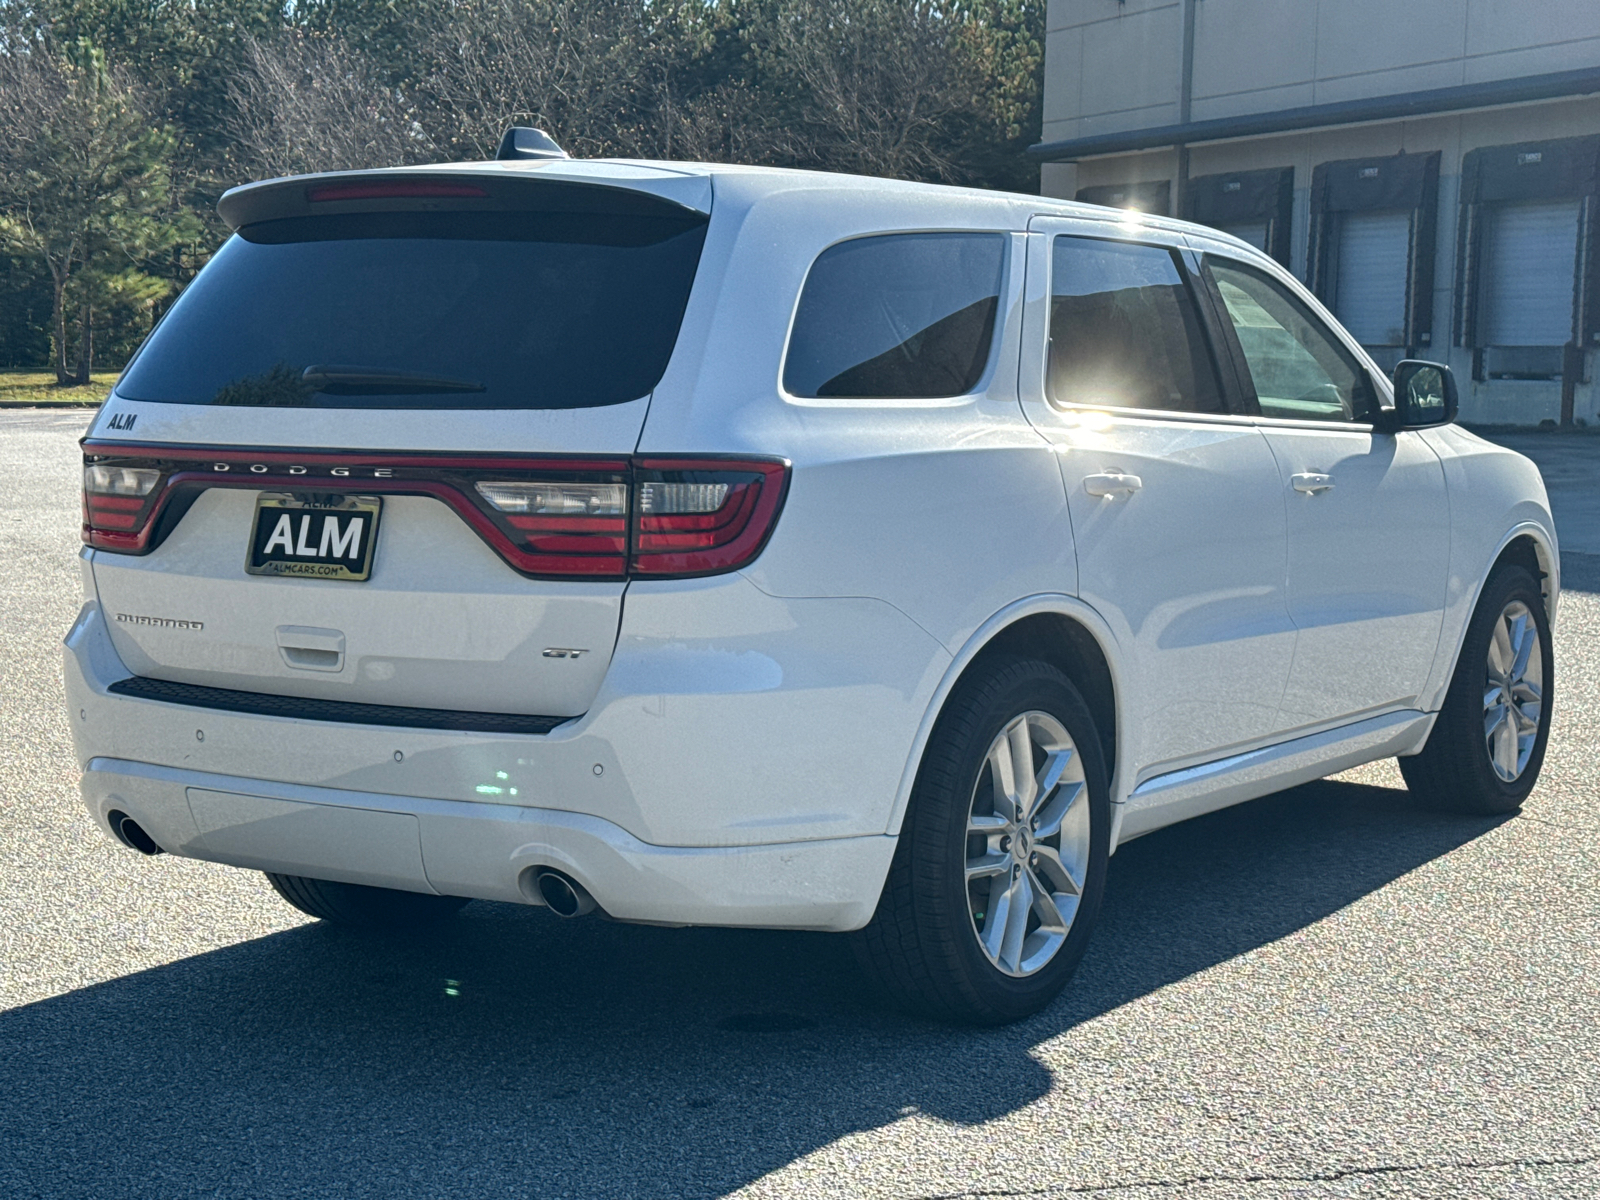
x=459, y=188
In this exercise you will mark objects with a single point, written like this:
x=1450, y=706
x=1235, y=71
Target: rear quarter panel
x=948, y=509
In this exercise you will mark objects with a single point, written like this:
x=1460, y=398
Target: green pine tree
x=85, y=188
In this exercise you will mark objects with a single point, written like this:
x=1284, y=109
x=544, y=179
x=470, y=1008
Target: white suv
x=728, y=546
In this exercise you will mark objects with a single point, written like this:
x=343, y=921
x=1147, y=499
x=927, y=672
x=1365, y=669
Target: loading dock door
x=1369, y=253
x=1254, y=206
x=1528, y=278
x=1374, y=251
x=1528, y=259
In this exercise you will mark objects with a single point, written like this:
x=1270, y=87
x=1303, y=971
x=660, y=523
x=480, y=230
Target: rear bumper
x=726, y=717
x=488, y=851
x=742, y=778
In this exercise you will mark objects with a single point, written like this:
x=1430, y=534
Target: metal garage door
x=1529, y=262
x=1370, y=283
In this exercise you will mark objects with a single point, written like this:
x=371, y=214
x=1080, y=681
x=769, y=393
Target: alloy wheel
x=1028, y=838
x=1513, y=696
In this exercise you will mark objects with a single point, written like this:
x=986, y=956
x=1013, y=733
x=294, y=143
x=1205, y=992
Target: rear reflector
x=547, y=517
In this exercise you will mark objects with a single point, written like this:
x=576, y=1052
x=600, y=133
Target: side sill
x=1193, y=791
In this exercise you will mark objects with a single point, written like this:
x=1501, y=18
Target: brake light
x=393, y=190
x=547, y=517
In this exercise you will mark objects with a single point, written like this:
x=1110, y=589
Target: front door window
x=1299, y=370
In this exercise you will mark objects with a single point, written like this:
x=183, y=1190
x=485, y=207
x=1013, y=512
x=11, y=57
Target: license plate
x=319, y=537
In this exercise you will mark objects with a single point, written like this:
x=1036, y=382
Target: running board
x=1179, y=795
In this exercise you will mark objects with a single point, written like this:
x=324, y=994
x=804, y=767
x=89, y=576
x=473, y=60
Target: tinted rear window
x=428, y=310
x=899, y=316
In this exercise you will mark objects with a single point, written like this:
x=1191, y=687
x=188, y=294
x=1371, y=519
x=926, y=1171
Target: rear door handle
x=1112, y=484
x=1311, y=482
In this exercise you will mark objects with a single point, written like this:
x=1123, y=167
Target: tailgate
x=378, y=451
x=441, y=622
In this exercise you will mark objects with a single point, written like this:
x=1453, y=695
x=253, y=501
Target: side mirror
x=1424, y=395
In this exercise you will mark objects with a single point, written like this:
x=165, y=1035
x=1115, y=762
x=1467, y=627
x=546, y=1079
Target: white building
x=1431, y=168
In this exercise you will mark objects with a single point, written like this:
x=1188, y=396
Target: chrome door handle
x=1311, y=482
x=1112, y=484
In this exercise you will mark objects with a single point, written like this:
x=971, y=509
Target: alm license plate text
x=323, y=537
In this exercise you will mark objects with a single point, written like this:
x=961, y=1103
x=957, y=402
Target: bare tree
x=876, y=86
x=722, y=124
x=579, y=68
x=308, y=102
x=880, y=87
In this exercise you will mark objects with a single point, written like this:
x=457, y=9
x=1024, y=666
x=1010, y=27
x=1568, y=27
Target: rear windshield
x=428, y=310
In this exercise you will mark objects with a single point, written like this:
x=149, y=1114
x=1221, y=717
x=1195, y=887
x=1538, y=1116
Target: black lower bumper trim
x=297, y=708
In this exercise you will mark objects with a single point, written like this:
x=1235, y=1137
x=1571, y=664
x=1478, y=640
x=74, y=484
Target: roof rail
x=523, y=142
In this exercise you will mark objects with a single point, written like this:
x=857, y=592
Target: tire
x=1456, y=770
x=360, y=906
x=925, y=945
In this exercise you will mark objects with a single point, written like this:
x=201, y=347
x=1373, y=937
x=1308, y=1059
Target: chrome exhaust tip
x=563, y=896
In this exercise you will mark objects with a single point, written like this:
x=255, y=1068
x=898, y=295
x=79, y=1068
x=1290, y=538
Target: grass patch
x=24, y=388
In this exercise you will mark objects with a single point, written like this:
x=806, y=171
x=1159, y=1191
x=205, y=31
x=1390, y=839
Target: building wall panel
x=1243, y=46
x=1356, y=37
x=1493, y=26
x=1131, y=65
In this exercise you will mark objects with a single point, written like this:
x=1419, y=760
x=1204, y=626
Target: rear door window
x=898, y=316
x=458, y=309
x=1124, y=330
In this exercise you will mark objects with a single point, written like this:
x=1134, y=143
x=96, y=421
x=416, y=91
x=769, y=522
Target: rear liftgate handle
x=1112, y=483
x=1311, y=483
x=311, y=649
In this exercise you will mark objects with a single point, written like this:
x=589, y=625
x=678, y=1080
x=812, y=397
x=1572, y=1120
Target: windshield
x=428, y=310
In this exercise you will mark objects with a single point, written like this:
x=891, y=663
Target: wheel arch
x=1527, y=544
x=1060, y=630
x=1527, y=547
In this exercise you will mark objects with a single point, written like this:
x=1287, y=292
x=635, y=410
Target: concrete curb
x=6, y=405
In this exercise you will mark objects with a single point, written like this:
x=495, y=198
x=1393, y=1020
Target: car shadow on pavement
x=509, y=1052
x=1580, y=572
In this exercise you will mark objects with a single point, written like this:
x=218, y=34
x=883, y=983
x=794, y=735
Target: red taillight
x=118, y=501
x=694, y=517
x=547, y=517
x=562, y=523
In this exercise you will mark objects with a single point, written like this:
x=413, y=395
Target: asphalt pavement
x=1325, y=993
